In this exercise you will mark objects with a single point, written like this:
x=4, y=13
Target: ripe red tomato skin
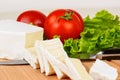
x=54, y=25
x=33, y=17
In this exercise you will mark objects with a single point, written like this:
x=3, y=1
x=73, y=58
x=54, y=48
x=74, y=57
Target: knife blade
x=14, y=62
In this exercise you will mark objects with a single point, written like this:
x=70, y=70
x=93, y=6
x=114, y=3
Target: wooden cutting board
x=26, y=72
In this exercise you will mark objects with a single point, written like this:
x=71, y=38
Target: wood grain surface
x=26, y=72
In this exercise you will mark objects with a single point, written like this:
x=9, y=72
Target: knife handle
x=112, y=51
x=108, y=56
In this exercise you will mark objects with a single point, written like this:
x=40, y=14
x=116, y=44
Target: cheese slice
x=30, y=56
x=77, y=70
x=16, y=36
x=102, y=71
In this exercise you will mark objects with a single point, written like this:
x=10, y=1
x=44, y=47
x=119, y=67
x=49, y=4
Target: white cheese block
x=102, y=71
x=77, y=70
x=30, y=56
x=16, y=36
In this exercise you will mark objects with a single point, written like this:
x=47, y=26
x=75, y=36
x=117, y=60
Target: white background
x=11, y=5
x=11, y=8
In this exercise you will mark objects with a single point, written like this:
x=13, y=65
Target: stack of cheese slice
x=53, y=59
x=16, y=38
x=53, y=48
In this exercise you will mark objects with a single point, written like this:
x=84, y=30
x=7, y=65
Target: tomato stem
x=67, y=16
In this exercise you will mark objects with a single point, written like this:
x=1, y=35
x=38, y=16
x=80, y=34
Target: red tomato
x=32, y=17
x=65, y=23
